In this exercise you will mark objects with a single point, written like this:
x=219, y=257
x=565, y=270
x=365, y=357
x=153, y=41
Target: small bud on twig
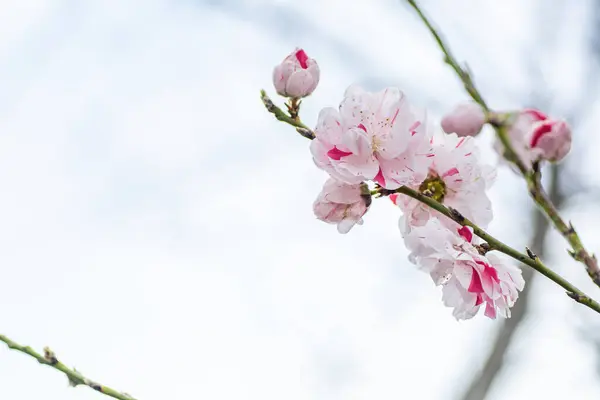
x=50, y=356
x=456, y=215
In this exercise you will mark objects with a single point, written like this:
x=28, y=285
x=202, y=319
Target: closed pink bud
x=297, y=76
x=341, y=204
x=465, y=120
x=552, y=139
x=535, y=136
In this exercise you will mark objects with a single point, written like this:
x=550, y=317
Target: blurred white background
x=156, y=226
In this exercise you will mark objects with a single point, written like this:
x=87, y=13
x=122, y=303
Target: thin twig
x=469, y=85
x=578, y=252
x=75, y=378
x=282, y=116
x=449, y=59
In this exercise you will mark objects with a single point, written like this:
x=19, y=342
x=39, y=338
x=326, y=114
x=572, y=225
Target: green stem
x=578, y=252
x=467, y=81
x=501, y=127
x=532, y=177
x=282, y=116
x=495, y=244
x=75, y=378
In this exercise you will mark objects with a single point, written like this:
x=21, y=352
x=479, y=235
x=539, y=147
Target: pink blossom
x=469, y=280
x=373, y=136
x=297, y=76
x=341, y=204
x=456, y=178
x=534, y=136
x=465, y=120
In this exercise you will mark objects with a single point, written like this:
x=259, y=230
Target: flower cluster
x=456, y=178
x=469, y=278
x=377, y=143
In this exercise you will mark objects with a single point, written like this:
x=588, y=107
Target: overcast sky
x=156, y=226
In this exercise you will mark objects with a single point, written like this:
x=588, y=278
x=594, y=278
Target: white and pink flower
x=456, y=178
x=297, y=76
x=534, y=136
x=341, y=204
x=373, y=136
x=469, y=280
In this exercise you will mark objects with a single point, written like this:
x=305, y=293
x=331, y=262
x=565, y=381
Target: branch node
x=50, y=356
x=307, y=133
x=571, y=229
x=269, y=105
x=483, y=248
x=456, y=215
x=531, y=254
x=574, y=296
x=576, y=256
x=495, y=120
x=73, y=383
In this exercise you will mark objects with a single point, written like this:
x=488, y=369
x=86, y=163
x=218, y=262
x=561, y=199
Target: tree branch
x=282, y=116
x=532, y=177
x=530, y=260
x=75, y=378
x=578, y=252
x=495, y=244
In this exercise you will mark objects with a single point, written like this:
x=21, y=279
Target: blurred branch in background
x=482, y=382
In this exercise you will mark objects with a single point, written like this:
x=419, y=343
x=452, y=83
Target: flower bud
x=551, y=138
x=534, y=136
x=465, y=120
x=297, y=76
